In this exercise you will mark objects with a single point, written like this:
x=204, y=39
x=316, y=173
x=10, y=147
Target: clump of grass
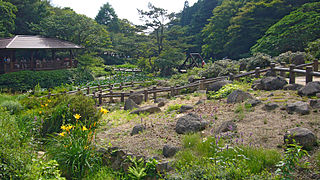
x=173, y=107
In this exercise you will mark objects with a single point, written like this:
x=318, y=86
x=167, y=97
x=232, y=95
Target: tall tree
x=29, y=12
x=7, y=18
x=108, y=17
x=155, y=19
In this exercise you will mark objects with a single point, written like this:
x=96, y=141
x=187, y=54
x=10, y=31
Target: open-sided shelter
x=21, y=53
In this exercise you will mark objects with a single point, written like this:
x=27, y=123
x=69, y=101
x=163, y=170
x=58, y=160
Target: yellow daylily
x=69, y=127
x=46, y=105
x=63, y=127
x=84, y=128
x=104, y=111
x=41, y=105
x=62, y=134
x=40, y=112
x=49, y=101
x=77, y=116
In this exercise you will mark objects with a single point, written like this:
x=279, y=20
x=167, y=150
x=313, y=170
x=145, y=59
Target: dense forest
x=217, y=29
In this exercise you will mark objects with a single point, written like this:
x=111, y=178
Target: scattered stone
x=163, y=83
x=137, y=129
x=298, y=107
x=269, y=83
x=315, y=103
x=169, y=151
x=185, y=108
x=129, y=104
x=311, y=89
x=201, y=101
x=158, y=100
x=217, y=85
x=270, y=106
x=293, y=87
x=298, y=59
x=147, y=109
x=270, y=95
x=302, y=136
x=254, y=102
x=318, y=95
x=190, y=123
x=164, y=166
x=137, y=98
x=271, y=73
x=161, y=104
x=227, y=126
x=283, y=108
x=238, y=96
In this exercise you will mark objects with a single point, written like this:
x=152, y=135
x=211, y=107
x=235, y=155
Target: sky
x=125, y=9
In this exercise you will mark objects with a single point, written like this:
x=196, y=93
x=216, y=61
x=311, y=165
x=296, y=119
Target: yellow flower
x=84, y=128
x=86, y=147
x=62, y=134
x=49, y=101
x=46, y=105
x=94, y=124
x=69, y=127
x=40, y=112
x=41, y=105
x=104, y=111
x=77, y=116
x=63, y=127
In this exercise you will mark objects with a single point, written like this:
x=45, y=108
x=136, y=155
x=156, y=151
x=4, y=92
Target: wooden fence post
x=145, y=92
x=99, y=88
x=272, y=66
x=111, y=97
x=154, y=93
x=308, y=74
x=172, y=91
x=177, y=90
x=283, y=73
x=93, y=94
x=201, y=83
x=122, y=97
x=257, y=72
x=132, y=84
x=315, y=65
x=292, y=76
x=231, y=77
x=121, y=84
x=88, y=90
x=100, y=99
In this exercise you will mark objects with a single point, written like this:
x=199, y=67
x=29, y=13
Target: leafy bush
x=219, y=68
x=289, y=56
x=74, y=150
x=257, y=60
x=314, y=48
x=224, y=91
x=174, y=107
x=44, y=170
x=12, y=106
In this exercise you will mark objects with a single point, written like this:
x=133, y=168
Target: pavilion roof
x=35, y=42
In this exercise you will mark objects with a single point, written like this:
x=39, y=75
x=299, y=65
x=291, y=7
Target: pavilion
x=26, y=52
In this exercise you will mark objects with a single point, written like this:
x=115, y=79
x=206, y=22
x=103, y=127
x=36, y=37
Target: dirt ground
x=256, y=127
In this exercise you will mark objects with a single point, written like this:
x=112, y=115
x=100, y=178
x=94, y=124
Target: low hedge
x=26, y=80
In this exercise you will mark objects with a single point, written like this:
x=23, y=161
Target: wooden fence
x=107, y=91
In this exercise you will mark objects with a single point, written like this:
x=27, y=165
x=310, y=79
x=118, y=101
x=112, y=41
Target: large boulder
x=293, y=87
x=270, y=83
x=146, y=109
x=129, y=104
x=298, y=107
x=137, y=98
x=169, y=151
x=137, y=129
x=254, y=102
x=298, y=59
x=238, y=96
x=315, y=103
x=190, y=123
x=311, y=89
x=270, y=106
x=217, y=85
x=302, y=136
x=227, y=126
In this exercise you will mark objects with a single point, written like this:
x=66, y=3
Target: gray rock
x=201, y=101
x=146, y=109
x=169, y=151
x=137, y=98
x=161, y=104
x=269, y=83
x=227, y=126
x=254, y=102
x=164, y=166
x=190, y=123
x=298, y=59
x=191, y=79
x=163, y=83
x=137, y=129
x=298, y=107
x=129, y=104
x=315, y=103
x=271, y=74
x=185, y=108
x=217, y=85
x=158, y=100
x=302, y=136
x=270, y=106
x=311, y=89
x=238, y=96
x=293, y=87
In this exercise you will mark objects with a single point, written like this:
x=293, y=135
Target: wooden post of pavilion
x=32, y=63
x=53, y=54
x=11, y=61
x=71, y=55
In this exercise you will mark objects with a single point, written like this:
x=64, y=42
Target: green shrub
x=174, y=107
x=74, y=150
x=257, y=60
x=223, y=92
x=44, y=170
x=12, y=106
x=220, y=68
